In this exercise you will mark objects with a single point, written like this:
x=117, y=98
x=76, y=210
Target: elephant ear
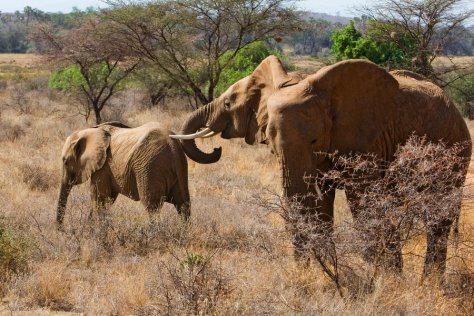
x=90, y=152
x=266, y=79
x=271, y=73
x=361, y=99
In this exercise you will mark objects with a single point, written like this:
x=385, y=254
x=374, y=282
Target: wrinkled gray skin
x=141, y=163
x=352, y=106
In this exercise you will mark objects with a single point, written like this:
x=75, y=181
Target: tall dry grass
x=232, y=258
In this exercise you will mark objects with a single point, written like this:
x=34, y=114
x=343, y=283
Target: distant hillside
x=327, y=17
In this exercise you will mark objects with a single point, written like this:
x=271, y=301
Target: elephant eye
x=66, y=162
x=227, y=104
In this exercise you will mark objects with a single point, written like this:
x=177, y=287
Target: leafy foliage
x=67, y=78
x=345, y=41
x=426, y=24
x=71, y=78
x=461, y=91
x=348, y=43
x=91, y=50
x=187, y=39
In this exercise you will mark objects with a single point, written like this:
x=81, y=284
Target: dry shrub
x=50, y=286
x=420, y=188
x=36, y=84
x=36, y=177
x=11, y=132
x=19, y=100
x=192, y=285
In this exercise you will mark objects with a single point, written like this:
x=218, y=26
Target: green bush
x=377, y=45
x=461, y=92
x=14, y=251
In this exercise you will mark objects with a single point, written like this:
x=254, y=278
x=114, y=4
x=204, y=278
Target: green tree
x=344, y=42
x=95, y=65
x=425, y=24
x=67, y=78
x=187, y=39
x=394, y=50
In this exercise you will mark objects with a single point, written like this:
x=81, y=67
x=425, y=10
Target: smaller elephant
x=142, y=163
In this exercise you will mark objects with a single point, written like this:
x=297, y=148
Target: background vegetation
x=234, y=257
x=187, y=47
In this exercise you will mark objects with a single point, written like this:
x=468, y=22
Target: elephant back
x=360, y=99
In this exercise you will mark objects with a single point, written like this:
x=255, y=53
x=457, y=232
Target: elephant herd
x=353, y=106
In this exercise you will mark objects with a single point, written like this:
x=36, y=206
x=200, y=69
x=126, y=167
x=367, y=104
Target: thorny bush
x=392, y=204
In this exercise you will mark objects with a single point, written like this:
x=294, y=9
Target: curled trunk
x=197, y=120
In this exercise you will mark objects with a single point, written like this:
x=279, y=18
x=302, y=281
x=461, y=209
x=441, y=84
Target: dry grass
x=460, y=61
x=20, y=66
x=233, y=258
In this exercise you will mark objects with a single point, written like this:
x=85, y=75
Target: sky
x=334, y=7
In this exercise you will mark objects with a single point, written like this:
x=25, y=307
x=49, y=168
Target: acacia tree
x=427, y=23
x=90, y=49
x=187, y=39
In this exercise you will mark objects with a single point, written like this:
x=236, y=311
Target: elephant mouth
x=227, y=133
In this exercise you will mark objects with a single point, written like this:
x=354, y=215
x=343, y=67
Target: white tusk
x=205, y=131
x=212, y=133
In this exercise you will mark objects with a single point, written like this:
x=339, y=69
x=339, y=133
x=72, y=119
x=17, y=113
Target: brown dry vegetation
x=233, y=258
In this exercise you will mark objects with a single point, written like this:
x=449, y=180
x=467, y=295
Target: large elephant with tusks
x=353, y=106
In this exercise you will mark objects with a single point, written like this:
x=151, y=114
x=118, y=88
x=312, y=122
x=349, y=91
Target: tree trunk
x=98, y=118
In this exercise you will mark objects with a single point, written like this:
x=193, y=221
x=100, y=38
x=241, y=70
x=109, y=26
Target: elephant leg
x=153, y=201
x=101, y=197
x=180, y=199
x=437, y=247
x=381, y=239
x=391, y=249
x=315, y=223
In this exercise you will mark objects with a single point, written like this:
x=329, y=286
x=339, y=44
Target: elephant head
x=343, y=107
x=348, y=107
x=238, y=112
x=84, y=153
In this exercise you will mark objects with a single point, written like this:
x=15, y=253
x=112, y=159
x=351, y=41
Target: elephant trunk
x=296, y=187
x=197, y=120
x=64, y=191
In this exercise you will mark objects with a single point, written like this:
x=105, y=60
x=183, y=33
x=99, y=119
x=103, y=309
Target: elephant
x=353, y=106
x=142, y=163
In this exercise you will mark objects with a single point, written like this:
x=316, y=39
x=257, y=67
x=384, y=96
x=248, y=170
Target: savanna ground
x=232, y=258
